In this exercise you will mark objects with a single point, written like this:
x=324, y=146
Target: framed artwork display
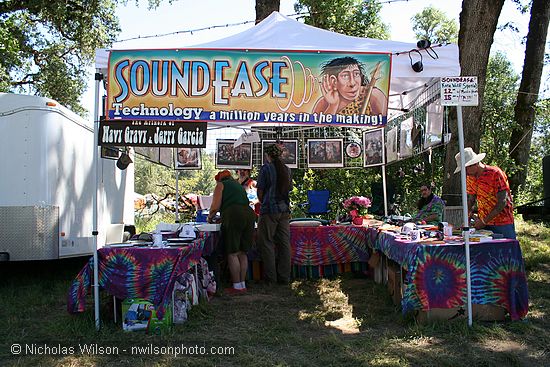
x=373, y=141
x=434, y=124
x=405, y=138
x=353, y=149
x=391, y=145
x=110, y=153
x=227, y=156
x=325, y=153
x=166, y=156
x=152, y=154
x=290, y=151
x=187, y=158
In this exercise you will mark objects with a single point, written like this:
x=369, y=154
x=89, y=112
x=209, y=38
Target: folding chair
x=317, y=202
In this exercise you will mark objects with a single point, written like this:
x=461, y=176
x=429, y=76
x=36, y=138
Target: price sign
x=459, y=91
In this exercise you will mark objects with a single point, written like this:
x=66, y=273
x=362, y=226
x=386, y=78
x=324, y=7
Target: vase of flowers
x=357, y=208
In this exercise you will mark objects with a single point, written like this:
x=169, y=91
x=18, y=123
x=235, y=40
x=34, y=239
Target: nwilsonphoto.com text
x=34, y=349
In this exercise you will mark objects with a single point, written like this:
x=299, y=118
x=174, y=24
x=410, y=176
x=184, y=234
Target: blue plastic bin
x=201, y=216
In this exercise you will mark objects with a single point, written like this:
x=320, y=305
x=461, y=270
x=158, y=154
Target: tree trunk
x=265, y=7
x=524, y=112
x=478, y=22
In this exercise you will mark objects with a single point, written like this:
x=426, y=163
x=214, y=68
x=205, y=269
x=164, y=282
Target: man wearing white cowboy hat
x=488, y=186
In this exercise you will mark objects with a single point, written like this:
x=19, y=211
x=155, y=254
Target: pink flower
x=357, y=205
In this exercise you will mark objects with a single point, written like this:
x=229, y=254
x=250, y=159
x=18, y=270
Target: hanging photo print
x=373, y=141
x=227, y=156
x=152, y=154
x=187, y=158
x=353, y=149
x=434, y=124
x=325, y=153
x=166, y=156
x=110, y=152
x=391, y=145
x=405, y=138
x=290, y=151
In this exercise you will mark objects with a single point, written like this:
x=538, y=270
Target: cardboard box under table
x=394, y=282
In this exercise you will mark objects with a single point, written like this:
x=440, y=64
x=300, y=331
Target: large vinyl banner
x=238, y=86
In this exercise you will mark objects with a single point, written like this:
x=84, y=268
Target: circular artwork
x=353, y=150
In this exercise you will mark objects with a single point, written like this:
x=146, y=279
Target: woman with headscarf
x=237, y=227
x=274, y=185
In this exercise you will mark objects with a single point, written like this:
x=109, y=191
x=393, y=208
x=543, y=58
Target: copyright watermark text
x=97, y=349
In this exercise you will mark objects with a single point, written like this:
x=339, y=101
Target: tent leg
x=177, y=196
x=466, y=230
x=114, y=309
x=384, y=190
x=98, y=78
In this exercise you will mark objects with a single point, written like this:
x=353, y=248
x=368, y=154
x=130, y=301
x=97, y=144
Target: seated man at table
x=430, y=206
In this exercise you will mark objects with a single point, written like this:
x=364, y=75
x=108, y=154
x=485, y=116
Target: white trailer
x=47, y=182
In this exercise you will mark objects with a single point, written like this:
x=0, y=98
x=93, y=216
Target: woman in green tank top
x=237, y=228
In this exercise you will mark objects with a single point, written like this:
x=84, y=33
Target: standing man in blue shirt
x=274, y=185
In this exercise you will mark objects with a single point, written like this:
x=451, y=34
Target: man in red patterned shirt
x=488, y=186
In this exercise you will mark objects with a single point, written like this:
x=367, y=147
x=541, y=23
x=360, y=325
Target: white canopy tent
x=278, y=32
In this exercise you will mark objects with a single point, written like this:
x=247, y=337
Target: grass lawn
x=343, y=321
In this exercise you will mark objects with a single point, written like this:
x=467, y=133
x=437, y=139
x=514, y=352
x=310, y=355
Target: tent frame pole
x=465, y=228
x=177, y=196
x=384, y=190
x=95, y=165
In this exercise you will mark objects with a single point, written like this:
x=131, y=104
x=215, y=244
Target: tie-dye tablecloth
x=322, y=251
x=326, y=245
x=328, y=250
x=436, y=274
x=136, y=272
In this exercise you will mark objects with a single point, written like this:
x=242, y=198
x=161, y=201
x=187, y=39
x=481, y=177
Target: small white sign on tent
x=459, y=91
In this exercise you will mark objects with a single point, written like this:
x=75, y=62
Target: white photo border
x=378, y=135
x=235, y=164
x=293, y=164
x=178, y=166
x=325, y=163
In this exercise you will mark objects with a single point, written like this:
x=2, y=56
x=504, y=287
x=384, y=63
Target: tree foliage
x=359, y=18
x=202, y=181
x=46, y=44
x=478, y=23
x=161, y=180
x=433, y=24
x=520, y=142
x=353, y=18
x=265, y=7
x=497, y=119
x=151, y=178
x=533, y=189
x=498, y=125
